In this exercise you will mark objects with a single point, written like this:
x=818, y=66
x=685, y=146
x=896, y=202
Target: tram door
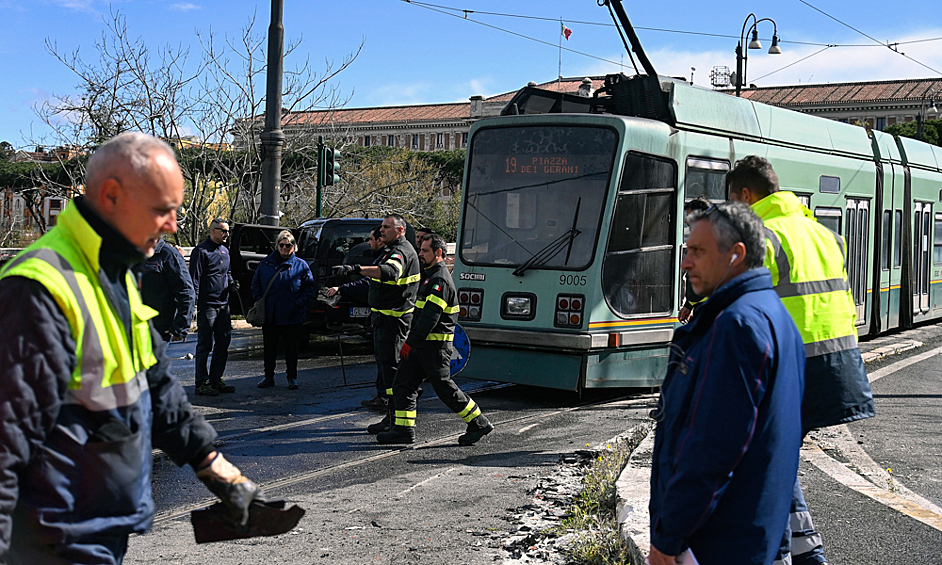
x=922, y=220
x=857, y=237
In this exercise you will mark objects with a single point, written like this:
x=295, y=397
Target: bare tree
x=199, y=104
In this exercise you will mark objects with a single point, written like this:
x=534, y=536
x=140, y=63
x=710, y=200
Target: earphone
x=733, y=259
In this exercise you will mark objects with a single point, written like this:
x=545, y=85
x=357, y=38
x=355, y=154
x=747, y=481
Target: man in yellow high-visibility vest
x=807, y=264
x=87, y=389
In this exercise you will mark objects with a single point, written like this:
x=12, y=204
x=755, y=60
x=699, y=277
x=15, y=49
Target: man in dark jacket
x=394, y=282
x=166, y=287
x=359, y=291
x=209, y=270
x=427, y=352
x=81, y=416
x=729, y=426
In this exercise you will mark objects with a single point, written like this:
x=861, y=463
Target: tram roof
x=694, y=108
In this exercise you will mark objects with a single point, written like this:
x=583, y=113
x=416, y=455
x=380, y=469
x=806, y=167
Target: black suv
x=323, y=243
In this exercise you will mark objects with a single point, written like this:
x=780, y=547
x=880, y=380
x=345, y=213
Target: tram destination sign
x=562, y=165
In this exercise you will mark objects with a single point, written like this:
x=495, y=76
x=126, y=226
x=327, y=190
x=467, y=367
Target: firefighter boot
x=397, y=434
x=477, y=428
x=384, y=424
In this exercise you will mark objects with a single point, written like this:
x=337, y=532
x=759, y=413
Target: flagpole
x=559, y=75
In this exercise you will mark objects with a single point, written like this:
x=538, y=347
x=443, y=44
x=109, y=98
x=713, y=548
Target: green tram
x=571, y=234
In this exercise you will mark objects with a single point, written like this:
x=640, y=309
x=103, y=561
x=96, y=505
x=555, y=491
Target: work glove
x=236, y=492
x=404, y=352
x=346, y=269
x=234, y=286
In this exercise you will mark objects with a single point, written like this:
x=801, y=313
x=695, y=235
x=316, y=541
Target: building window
x=440, y=141
x=391, y=141
x=464, y=140
x=367, y=140
x=415, y=141
x=881, y=124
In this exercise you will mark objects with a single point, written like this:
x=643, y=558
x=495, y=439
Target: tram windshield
x=535, y=196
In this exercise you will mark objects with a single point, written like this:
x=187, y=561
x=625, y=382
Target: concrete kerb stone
x=632, y=496
x=634, y=484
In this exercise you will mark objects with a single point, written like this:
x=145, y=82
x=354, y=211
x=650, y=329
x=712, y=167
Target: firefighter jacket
x=87, y=389
x=393, y=293
x=807, y=264
x=437, y=305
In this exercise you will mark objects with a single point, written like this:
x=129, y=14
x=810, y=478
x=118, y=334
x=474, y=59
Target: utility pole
x=273, y=139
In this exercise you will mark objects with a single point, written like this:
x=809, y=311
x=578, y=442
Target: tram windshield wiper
x=545, y=255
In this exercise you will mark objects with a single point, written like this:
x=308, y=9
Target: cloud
x=87, y=6
x=184, y=7
x=397, y=94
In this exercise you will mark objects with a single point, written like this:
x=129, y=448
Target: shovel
x=265, y=519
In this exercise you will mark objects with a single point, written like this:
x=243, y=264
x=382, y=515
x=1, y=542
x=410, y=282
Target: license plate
x=358, y=312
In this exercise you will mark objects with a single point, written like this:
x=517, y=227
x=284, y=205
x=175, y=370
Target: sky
x=449, y=50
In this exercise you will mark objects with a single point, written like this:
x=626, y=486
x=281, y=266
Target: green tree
x=380, y=180
x=931, y=130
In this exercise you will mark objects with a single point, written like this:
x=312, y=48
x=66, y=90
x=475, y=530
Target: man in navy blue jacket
x=209, y=269
x=166, y=287
x=729, y=416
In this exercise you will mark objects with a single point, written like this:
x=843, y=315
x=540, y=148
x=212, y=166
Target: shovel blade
x=265, y=519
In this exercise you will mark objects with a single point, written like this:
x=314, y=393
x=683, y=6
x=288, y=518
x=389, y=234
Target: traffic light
x=331, y=166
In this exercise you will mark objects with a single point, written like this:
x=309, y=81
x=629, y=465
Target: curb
x=632, y=489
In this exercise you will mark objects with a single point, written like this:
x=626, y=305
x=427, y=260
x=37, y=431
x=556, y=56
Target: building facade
x=877, y=104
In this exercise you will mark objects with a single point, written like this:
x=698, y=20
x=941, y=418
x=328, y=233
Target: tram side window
x=829, y=218
x=937, y=240
x=898, y=239
x=885, y=248
x=638, y=271
x=706, y=178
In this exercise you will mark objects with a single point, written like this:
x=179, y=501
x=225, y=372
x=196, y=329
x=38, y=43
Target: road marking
x=895, y=495
x=837, y=471
x=425, y=482
x=890, y=369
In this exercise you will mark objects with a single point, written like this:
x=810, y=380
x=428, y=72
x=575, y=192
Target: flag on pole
x=565, y=31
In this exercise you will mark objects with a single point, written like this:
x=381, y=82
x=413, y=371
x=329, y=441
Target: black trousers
x=389, y=333
x=432, y=364
x=288, y=335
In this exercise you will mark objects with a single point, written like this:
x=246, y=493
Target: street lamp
x=742, y=56
x=924, y=113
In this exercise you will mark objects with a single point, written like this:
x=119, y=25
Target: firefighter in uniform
x=394, y=280
x=427, y=352
x=807, y=265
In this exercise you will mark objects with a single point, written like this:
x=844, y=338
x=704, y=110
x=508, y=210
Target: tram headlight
x=517, y=305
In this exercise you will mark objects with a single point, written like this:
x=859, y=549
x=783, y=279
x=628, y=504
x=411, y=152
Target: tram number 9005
x=572, y=280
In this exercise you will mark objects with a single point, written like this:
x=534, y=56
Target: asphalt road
x=904, y=440
x=874, y=487
x=433, y=502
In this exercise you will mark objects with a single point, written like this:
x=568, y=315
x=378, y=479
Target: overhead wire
x=875, y=40
x=462, y=13
x=467, y=12
x=434, y=8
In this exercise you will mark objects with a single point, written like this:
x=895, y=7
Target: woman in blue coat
x=285, y=305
